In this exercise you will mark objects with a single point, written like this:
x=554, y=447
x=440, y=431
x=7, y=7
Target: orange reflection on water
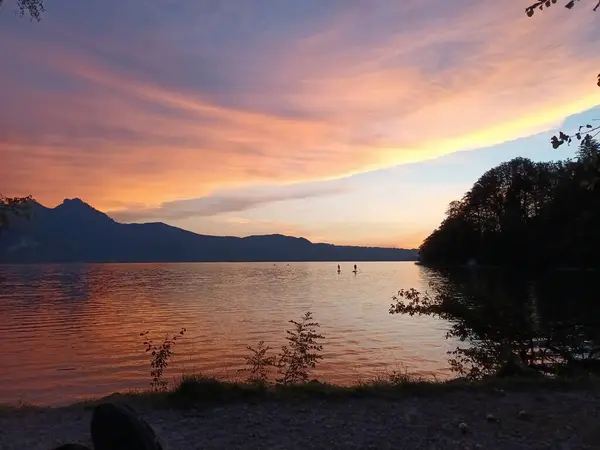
x=72, y=331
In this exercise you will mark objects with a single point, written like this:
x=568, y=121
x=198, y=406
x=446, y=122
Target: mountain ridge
x=74, y=231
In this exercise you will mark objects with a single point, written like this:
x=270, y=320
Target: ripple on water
x=87, y=318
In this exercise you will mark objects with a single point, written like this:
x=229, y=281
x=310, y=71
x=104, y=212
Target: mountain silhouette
x=76, y=232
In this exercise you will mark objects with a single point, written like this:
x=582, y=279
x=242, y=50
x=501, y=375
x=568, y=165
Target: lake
x=71, y=332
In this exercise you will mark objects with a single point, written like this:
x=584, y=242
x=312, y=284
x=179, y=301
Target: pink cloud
x=366, y=86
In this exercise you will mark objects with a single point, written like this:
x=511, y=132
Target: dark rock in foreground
x=118, y=427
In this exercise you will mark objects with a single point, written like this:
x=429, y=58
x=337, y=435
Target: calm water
x=72, y=331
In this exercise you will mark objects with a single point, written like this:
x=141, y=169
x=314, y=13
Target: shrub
x=300, y=356
x=258, y=363
x=160, y=356
x=295, y=361
x=197, y=387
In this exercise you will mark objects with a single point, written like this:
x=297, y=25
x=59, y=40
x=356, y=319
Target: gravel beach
x=549, y=420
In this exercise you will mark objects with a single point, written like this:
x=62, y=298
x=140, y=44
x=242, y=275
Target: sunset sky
x=345, y=121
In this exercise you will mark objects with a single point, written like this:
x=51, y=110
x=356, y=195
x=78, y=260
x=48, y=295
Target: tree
x=584, y=130
x=12, y=206
x=34, y=8
x=525, y=213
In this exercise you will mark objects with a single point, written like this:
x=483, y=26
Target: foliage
x=582, y=133
x=258, y=363
x=34, y=8
x=302, y=353
x=295, y=361
x=541, y=4
x=500, y=317
x=13, y=206
x=562, y=137
x=211, y=390
x=394, y=378
x=466, y=360
x=194, y=391
x=523, y=213
x=160, y=356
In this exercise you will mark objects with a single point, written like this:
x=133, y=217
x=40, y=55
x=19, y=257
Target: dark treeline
x=523, y=213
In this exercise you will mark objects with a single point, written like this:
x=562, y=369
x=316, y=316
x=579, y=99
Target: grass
x=200, y=391
x=197, y=391
x=20, y=406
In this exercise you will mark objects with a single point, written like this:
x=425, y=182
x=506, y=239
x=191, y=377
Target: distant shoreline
x=353, y=261
x=75, y=232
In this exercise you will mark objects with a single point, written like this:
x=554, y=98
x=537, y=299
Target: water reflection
x=549, y=323
x=87, y=318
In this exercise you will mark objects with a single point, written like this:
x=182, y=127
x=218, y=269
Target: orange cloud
x=368, y=86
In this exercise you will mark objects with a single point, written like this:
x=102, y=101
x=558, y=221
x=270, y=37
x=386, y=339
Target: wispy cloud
x=225, y=202
x=150, y=102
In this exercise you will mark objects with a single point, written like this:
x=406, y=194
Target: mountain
x=76, y=232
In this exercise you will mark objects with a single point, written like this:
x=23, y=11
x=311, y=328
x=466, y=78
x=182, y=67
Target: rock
x=491, y=418
x=463, y=427
x=523, y=415
x=118, y=427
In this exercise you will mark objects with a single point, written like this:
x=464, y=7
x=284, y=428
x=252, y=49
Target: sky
x=343, y=121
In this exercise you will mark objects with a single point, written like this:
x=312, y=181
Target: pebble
x=349, y=424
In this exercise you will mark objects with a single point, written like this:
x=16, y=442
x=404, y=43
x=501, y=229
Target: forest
x=527, y=214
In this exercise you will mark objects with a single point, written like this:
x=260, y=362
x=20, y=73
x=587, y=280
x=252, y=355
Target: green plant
x=258, y=363
x=160, y=356
x=400, y=378
x=300, y=356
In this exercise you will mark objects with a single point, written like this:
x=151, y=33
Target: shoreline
x=507, y=268
x=507, y=414
x=198, y=391
x=237, y=261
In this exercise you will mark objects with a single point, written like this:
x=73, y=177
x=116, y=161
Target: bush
x=295, y=362
x=258, y=363
x=300, y=356
x=160, y=356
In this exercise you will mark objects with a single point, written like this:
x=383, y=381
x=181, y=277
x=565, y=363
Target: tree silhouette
x=11, y=207
x=525, y=213
x=545, y=4
x=584, y=130
x=34, y=8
